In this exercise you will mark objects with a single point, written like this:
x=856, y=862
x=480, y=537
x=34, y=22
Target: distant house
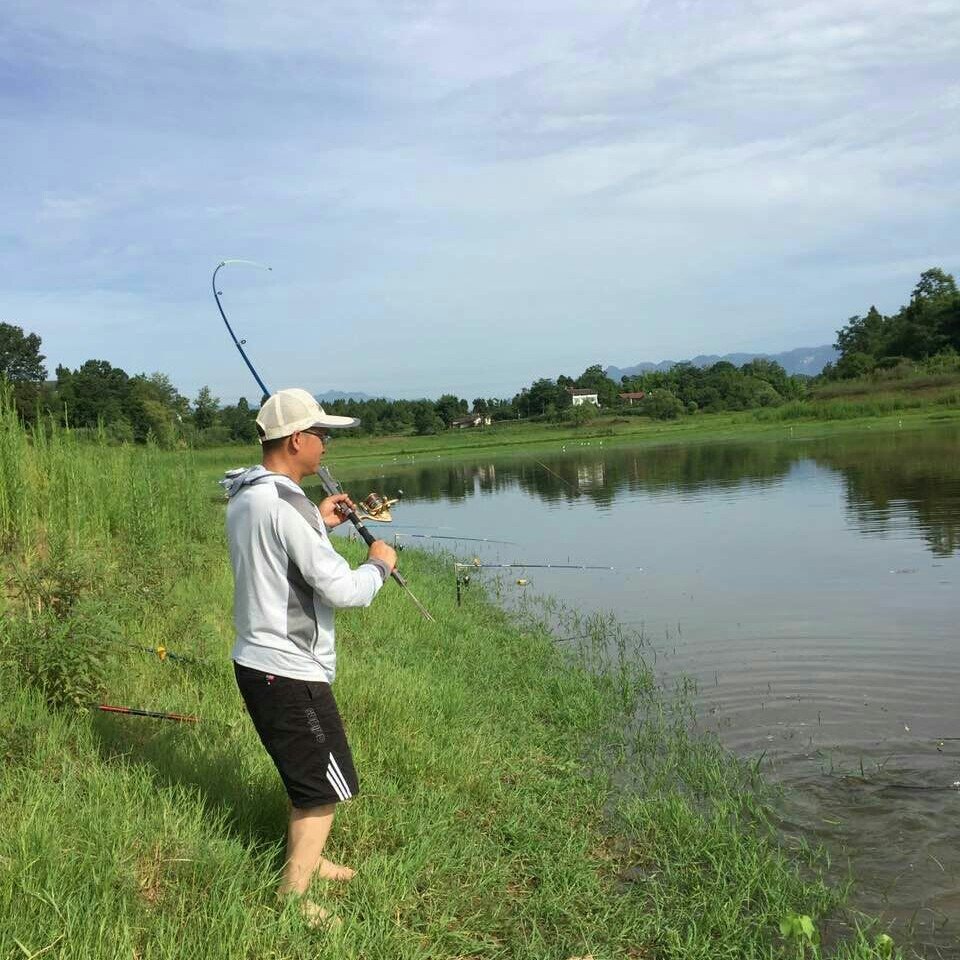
x=584, y=395
x=630, y=397
x=473, y=420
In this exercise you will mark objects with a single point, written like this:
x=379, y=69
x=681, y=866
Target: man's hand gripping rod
x=331, y=487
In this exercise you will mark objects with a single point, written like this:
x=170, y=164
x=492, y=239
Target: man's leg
x=306, y=838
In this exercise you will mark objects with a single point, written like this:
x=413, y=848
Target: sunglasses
x=321, y=435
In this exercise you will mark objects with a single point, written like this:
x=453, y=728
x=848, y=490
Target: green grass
x=516, y=801
x=930, y=384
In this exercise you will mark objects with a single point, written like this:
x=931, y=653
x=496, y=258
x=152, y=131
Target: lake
x=810, y=587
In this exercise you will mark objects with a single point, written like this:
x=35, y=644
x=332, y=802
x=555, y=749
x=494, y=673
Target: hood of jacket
x=235, y=480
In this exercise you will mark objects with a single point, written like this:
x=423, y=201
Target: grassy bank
x=517, y=802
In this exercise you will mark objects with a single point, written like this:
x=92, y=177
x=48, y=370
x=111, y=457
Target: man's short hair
x=270, y=446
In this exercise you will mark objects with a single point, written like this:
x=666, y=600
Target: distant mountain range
x=807, y=360
x=332, y=395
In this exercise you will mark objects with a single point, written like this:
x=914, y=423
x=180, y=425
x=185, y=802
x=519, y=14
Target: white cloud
x=68, y=208
x=659, y=171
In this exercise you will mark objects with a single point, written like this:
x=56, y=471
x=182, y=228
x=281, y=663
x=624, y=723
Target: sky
x=463, y=197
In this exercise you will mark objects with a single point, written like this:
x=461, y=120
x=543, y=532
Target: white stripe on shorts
x=337, y=780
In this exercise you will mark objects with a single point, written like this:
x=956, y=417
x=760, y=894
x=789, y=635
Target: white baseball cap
x=288, y=411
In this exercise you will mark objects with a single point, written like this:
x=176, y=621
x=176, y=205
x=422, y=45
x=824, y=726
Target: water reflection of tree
x=905, y=474
x=888, y=476
x=599, y=475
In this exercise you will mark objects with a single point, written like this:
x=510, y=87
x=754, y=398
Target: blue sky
x=464, y=197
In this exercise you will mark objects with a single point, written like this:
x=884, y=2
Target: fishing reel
x=376, y=506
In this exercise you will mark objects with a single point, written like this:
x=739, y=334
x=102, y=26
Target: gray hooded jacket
x=288, y=579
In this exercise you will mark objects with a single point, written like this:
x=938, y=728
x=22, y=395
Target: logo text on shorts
x=314, y=725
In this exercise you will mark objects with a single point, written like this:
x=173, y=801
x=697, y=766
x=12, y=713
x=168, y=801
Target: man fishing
x=288, y=581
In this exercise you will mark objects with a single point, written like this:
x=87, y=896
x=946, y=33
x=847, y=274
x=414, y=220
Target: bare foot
x=335, y=871
x=317, y=916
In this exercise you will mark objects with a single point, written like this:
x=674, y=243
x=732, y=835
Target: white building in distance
x=581, y=396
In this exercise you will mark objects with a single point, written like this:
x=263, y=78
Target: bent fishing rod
x=326, y=479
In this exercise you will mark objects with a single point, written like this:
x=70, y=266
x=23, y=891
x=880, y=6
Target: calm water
x=810, y=587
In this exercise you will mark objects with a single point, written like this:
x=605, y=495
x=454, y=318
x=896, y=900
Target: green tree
x=501, y=409
x=862, y=334
x=20, y=357
x=205, y=409
x=543, y=398
x=95, y=392
x=857, y=363
x=580, y=414
x=770, y=372
x=149, y=412
x=931, y=321
x=164, y=391
x=934, y=284
x=21, y=363
x=593, y=378
x=449, y=407
x=239, y=421
x=427, y=421
x=662, y=405
x=926, y=326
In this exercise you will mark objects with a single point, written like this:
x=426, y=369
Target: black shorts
x=300, y=726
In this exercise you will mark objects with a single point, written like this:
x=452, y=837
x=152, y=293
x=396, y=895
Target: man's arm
x=298, y=528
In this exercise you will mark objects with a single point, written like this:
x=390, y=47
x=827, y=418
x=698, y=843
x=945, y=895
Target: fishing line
x=576, y=489
x=435, y=536
x=544, y=566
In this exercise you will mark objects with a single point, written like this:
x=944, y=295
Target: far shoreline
x=353, y=455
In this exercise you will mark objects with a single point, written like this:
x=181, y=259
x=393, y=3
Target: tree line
x=98, y=396
x=682, y=390
x=921, y=331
